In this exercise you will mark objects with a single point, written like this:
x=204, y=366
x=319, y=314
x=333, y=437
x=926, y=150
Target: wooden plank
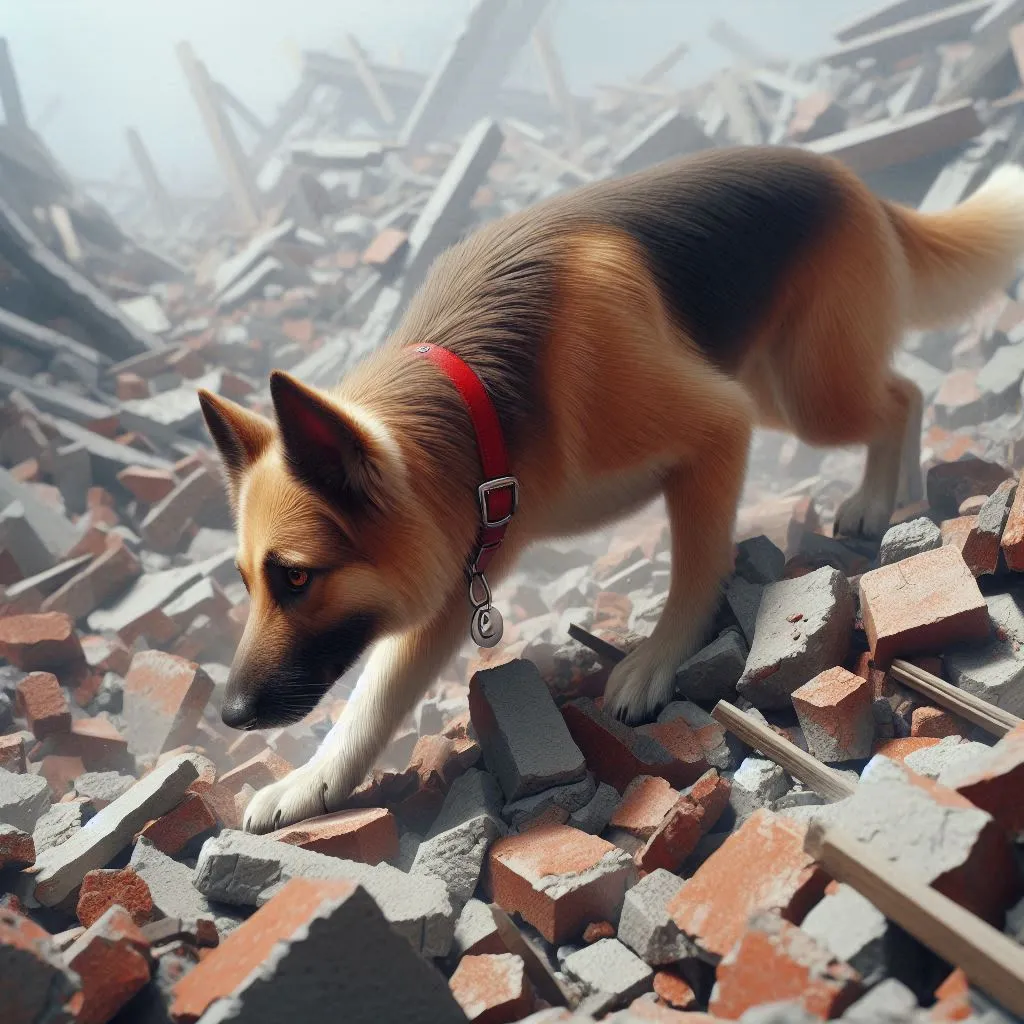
x=992, y=961
x=561, y=99
x=890, y=14
x=158, y=196
x=993, y=720
x=899, y=140
x=10, y=93
x=369, y=80
x=225, y=143
x=608, y=653
x=809, y=770
x=911, y=37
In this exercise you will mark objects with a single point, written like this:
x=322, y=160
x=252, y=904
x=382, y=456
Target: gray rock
x=242, y=870
x=103, y=787
x=595, y=815
x=472, y=794
x=609, y=967
x=58, y=825
x=744, y=601
x=60, y=869
x=523, y=736
x=713, y=672
x=803, y=627
x=24, y=799
x=644, y=924
x=1006, y=611
x=906, y=539
x=758, y=560
x=852, y=929
x=757, y=783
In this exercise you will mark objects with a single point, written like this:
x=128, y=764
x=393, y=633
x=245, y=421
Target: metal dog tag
x=486, y=626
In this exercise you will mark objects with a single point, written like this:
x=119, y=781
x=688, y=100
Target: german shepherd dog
x=630, y=335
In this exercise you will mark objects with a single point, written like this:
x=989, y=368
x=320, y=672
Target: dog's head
x=320, y=500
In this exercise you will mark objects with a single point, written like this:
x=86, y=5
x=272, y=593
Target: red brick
x=29, y=952
x=899, y=749
x=167, y=521
x=188, y=362
x=106, y=654
x=259, y=771
x=492, y=988
x=994, y=783
x=164, y=698
x=386, y=250
x=674, y=839
x=776, y=962
x=43, y=704
x=40, y=643
x=761, y=866
x=834, y=710
x=222, y=803
x=12, y=754
x=177, y=828
x=1012, y=542
x=671, y=989
x=591, y=879
x=97, y=742
x=147, y=485
x=368, y=835
x=60, y=771
x=929, y=721
x=17, y=849
x=921, y=605
x=104, y=887
x=645, y=803
x=597, y=931
x=710, y=793
x=112, y=960
x=130, y=386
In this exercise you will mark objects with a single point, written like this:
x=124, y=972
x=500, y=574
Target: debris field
x=823, y=823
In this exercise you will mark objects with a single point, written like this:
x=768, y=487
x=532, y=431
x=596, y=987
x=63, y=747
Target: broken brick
x=103, y=888
x=674, y=991
x=164, y=697
x=43, y=704
x=993, y=781
x=17, y=848
x=921, y=605
x=259, y=771
x=12, y=753
x=1012, y=542
x=173, y=832
x=674, y=839
x=492, y=988
x=834, y=710
x=981, y=548
x=60, y=772
x=558, y=879
x=44, y=642
x=929, y=721
x=368, y=835
x=167, y=521
x=35, y=983
x=644, y=804
x=149, y=486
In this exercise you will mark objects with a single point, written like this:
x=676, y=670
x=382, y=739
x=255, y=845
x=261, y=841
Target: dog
x=628, y=336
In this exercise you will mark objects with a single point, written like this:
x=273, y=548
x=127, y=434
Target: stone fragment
x=23, y=800
x=921, y=605
x=103, y=888
x=164, y=698
x=949, y=483
x=757, y=784
x=713, y=672
x=762, y=866
x=775, y=961
x=283, y=963
x=853, y=930
x=524, y=739
x=675, y=838
x=58, y=825
x=559, y=879
x=803, y=627
x=112, y=960
x=366, y=834
x=476, y=932
x=44, y=642
x=181, y=828
x=41, y=702
x=993, y=671
x=907, y=539
x=834, y=710
x=164, y=526
x=555, y=804
x=61, y=869
x=932, y=761
x=36, y=985
x=889, y=1002
x=492, y=988
x=457, y=855
x=981, y=549
x=102, y=788
x=610, y=968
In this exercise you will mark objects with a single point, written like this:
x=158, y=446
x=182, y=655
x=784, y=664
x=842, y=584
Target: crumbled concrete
x=102, y=788
x=58, y=825
x=594, y=816
x=993, y=671
x=949, y=751
x=906, y=539
x=757, y=783
x=476, y=932
x=560, y=801
x=645, y=924
x=24, y=799
x=852, y=929
x=889, y=1002
x=609, y=968
x=457, y=856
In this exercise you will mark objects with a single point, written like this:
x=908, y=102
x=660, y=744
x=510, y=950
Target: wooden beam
x=992, y=961
x=993, y=720
x=229, y=153
x=825, y=781
x=158, y=196
x=561, y=98
x=239, y=109
x=369, y=79
x=10, y=93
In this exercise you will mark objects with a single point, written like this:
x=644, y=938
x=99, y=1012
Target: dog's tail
x=958, y=257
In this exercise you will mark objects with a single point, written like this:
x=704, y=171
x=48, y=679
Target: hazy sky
x=111, y=63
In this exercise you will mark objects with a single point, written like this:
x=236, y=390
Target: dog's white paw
x=862, y=515
x=641, y=683
x=300, y=795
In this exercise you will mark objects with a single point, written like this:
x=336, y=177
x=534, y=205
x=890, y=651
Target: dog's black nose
x=238, y=712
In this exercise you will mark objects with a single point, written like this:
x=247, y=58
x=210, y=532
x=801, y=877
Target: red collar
x=498, y=494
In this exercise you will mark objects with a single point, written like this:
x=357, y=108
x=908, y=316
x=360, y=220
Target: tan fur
x=624, y=404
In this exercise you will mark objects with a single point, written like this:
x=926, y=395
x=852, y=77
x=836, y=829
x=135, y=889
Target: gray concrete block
x=24, y=799
x=852, y=929
x=567, y=799
x=595, y=815
x=644, y=924
x=713, y=672
x=950, y=751
x=609, y=967
x=457, y=856
x=785, y=1012
x=475, y=930
x=758, y=560
x=993, y=671
x=757, y=783
x=803, y=627
x=906, y=539
x=60, y=869
x=523, y=736
x=472, y=794
x=1006, y=610
x=58, y=825
x=241, y=870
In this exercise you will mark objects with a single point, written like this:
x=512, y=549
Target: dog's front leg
x=398, y=672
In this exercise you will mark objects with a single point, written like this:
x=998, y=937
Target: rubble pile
x=517, y=854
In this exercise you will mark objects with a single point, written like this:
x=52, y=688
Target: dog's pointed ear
x=240, y=435
x=326, y=448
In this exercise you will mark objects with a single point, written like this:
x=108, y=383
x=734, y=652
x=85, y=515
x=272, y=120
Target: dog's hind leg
x=702, y=492
x=395, y=677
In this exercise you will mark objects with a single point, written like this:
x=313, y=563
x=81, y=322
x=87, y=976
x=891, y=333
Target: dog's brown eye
x=297, y=578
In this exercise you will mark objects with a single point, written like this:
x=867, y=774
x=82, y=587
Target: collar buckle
x=497, y=485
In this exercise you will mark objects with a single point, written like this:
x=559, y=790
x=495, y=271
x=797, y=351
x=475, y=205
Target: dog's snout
x=238, y=712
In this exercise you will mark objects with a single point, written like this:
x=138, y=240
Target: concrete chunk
x=610, y=968
x=24, y=799
x=757, y=783
x=906, y=539
x=457, y=856
x=645, y=925
x=803, y=627
x=852, y=929
x=595, y=815
x=713, y=672
x=524, y=738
